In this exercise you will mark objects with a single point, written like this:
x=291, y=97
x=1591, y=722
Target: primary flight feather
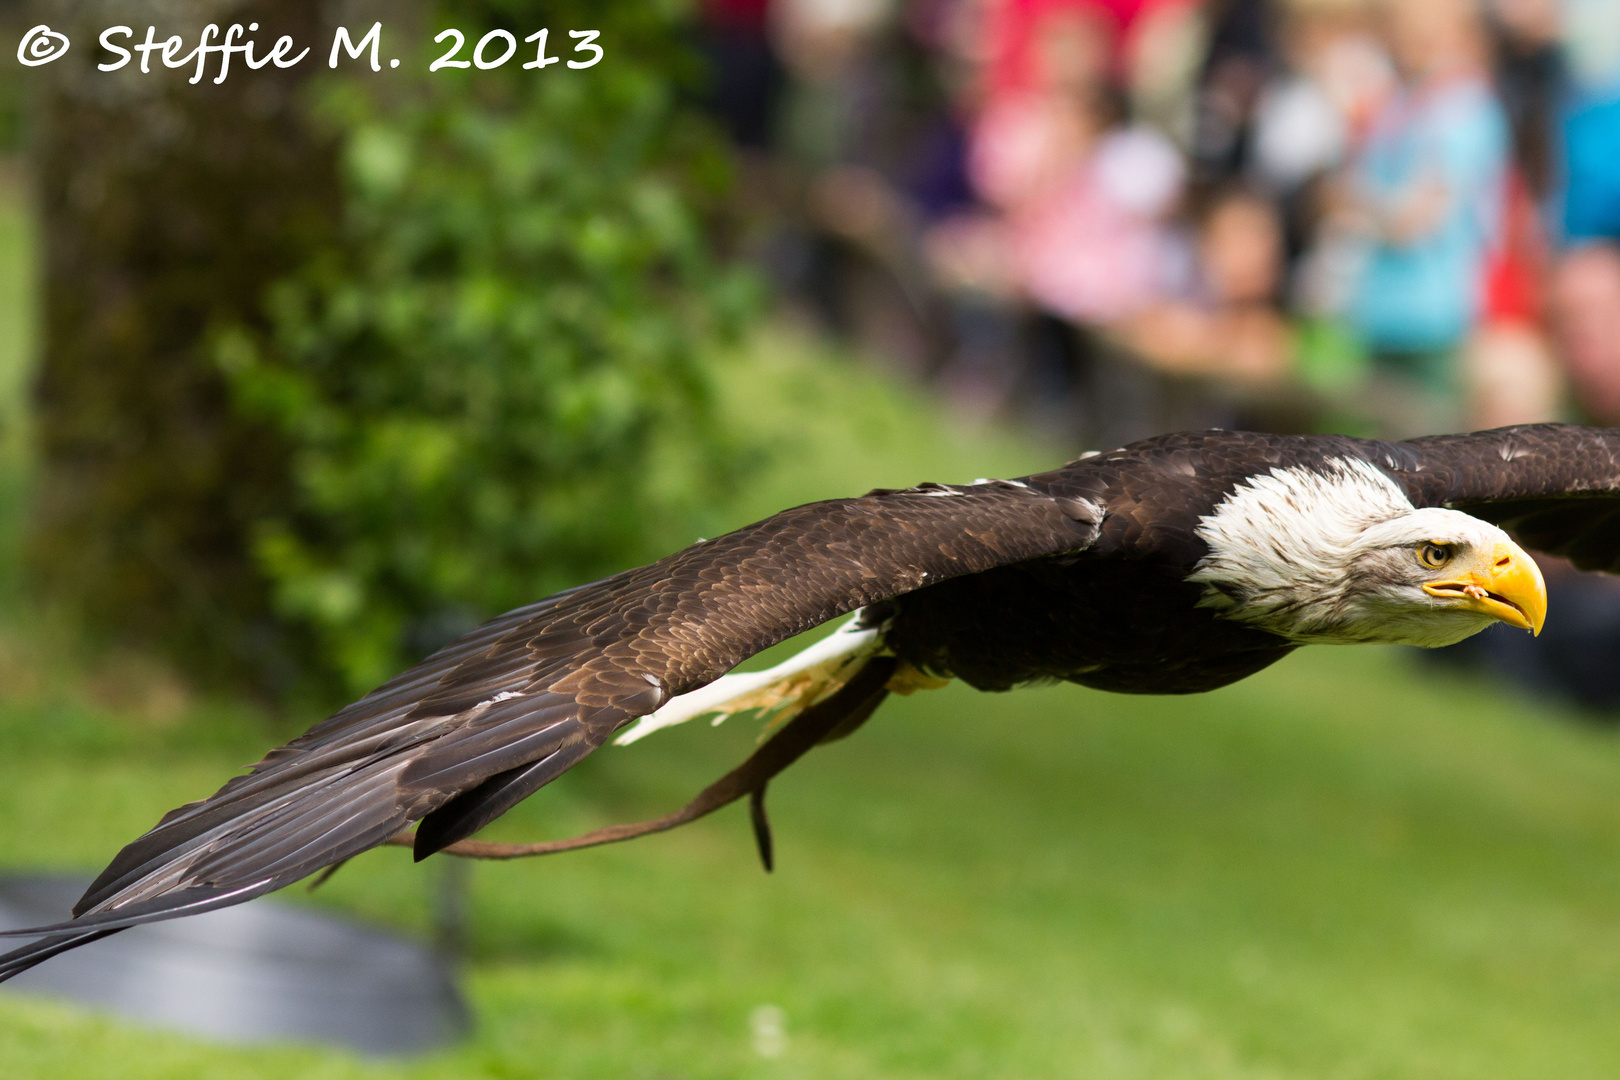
x=1174, y=565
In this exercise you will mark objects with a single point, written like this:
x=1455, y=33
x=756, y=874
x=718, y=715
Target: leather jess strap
x=835, y=717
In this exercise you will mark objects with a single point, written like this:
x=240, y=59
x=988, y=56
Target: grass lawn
x=1342, y=868
x=1334, y=869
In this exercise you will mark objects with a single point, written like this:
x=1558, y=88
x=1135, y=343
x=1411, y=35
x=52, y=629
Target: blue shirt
x=1425, y=295
x=1591, y=130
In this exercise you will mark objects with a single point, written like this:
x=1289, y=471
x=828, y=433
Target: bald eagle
x=1170, y=566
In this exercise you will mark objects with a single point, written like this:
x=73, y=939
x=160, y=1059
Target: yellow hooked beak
x=1505, y=584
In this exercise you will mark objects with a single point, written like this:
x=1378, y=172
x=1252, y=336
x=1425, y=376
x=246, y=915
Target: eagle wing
x=466, y=734
x=1555, y=487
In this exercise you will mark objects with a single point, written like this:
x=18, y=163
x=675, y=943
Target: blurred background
x=305, y=373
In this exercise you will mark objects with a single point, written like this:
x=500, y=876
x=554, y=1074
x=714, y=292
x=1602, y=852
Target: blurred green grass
x=1343, y=867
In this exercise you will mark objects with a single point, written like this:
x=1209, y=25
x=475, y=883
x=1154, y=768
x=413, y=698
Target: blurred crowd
x=1117, y=217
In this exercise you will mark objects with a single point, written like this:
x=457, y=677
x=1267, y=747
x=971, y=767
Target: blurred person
x=1042, y=117
x=1072, y=200
x=969, y=257
x=846, y=126
x=877, y=110
x=745, y=78
x=1093, y=248
x=1428, y=186
x=945, y=37
x=1015, y=33
x=1528, y=64
x=1083, y=199
x=1070, y=234
x=1084, y=195
x=836, y=104
x=1337, y=78
x=1243, y=55
x=1574, y=656
x=1227, y=325
x=1310, y=123
x=1585, y=303
x=1299, y=134
x=1590, y=131
x=1510, y=375
x=1164, y=58
x=1337, y=44
x=1307, y=122
x=964, y=248
x=1043, y=84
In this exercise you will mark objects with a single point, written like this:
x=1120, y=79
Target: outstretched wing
x=1556, y=487
x=467, y=733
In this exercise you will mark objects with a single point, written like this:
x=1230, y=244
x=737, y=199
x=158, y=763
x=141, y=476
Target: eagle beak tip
x=1524, y=576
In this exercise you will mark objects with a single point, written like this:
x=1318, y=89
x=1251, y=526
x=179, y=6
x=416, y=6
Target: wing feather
x=461, y=737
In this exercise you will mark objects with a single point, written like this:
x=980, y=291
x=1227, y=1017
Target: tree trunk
x=168, y=209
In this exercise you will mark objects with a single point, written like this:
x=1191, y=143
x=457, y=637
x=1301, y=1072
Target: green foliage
x=494, y=384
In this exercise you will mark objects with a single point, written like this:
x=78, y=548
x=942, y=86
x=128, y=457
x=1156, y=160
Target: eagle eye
x=1434, y=556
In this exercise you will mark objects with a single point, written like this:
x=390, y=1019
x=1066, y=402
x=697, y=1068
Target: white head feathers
x=1323, y=555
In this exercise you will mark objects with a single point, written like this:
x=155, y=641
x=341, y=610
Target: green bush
x=365, y=359
x=494, y=384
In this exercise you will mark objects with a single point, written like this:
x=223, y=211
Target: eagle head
x=1338, y=554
